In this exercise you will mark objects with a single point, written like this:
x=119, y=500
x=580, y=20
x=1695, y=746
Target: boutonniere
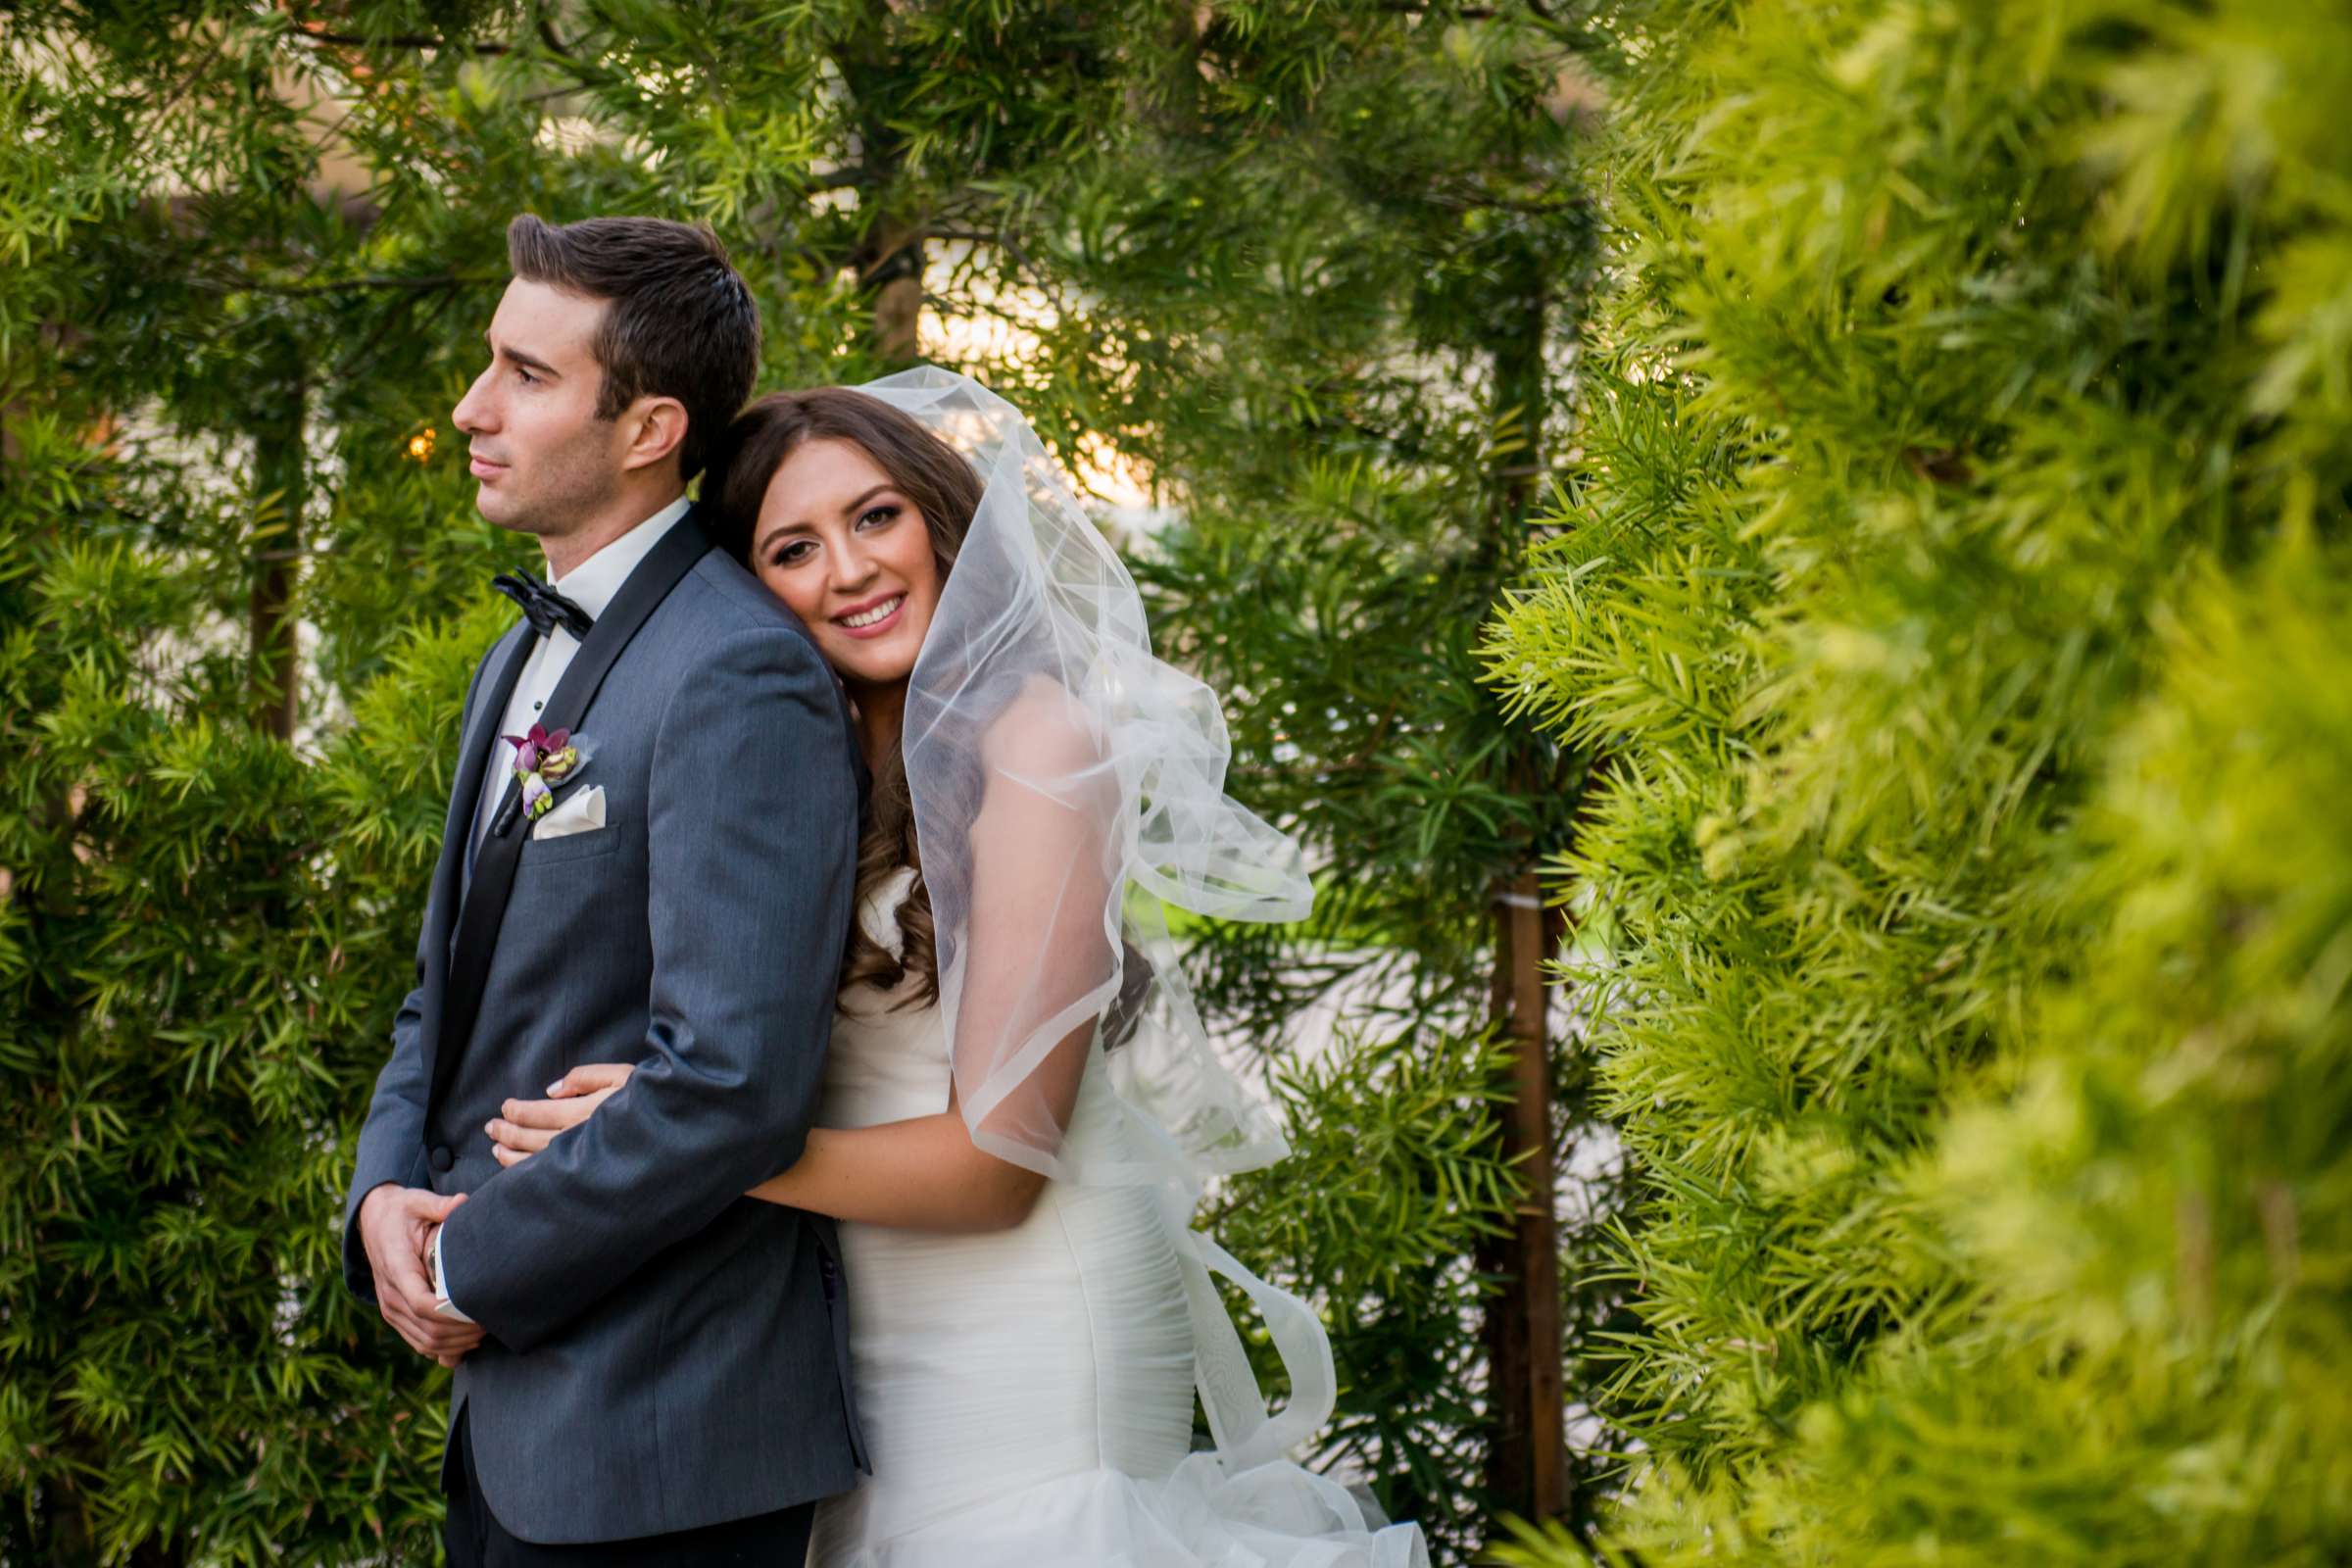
x=543, y=760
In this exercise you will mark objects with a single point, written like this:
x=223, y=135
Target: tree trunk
x=1527, y=1458
x=274, y=671
x=889, y=256
x=890, y=260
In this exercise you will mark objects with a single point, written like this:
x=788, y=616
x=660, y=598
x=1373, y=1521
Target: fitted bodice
x=889, y=1059
x=884, y=1063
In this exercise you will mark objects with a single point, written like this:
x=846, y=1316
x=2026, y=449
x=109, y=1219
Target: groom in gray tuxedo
x=650, y=1368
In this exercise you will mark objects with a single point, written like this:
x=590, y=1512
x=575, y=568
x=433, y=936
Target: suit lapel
x=507, y=659
x=493, y=876
x=464, y=806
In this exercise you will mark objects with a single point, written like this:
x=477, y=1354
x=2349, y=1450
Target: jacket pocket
x=567, y=848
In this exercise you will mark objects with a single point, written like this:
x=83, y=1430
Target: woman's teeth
x=881, y=611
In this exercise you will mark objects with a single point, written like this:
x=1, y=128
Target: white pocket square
x=583, y=812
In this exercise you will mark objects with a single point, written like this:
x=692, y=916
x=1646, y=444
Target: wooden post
x=1527, y=1459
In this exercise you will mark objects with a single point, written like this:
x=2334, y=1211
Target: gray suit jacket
x=664, y=1352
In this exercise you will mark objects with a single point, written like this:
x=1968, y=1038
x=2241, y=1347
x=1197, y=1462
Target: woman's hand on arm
x=523, y=1127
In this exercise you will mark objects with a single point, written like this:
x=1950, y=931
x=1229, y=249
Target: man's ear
x=657, y=429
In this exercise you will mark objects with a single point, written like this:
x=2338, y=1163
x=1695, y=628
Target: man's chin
x=501, y=511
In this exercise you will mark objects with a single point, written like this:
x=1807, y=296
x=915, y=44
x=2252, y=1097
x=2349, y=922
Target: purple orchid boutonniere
x=543, y=758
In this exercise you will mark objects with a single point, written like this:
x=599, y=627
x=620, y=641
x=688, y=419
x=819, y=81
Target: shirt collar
x=592, y=583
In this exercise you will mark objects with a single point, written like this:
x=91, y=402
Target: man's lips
x=484, y=469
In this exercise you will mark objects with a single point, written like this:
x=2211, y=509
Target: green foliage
x=250, y=253
x=1956, y=584
x=198, y=951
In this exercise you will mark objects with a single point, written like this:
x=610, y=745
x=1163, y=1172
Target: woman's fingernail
x=491, y=1127
x=555, y=1088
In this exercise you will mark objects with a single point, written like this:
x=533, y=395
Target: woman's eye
x=791, y=553
x=885, y=513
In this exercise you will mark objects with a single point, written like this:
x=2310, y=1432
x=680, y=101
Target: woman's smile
x=872, y=619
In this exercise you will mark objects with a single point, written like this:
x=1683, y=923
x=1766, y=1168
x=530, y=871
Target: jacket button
x=441, y=1158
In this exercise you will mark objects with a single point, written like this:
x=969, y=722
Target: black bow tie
x=543, y=607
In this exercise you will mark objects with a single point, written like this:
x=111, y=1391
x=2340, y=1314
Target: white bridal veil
x=1065, y=781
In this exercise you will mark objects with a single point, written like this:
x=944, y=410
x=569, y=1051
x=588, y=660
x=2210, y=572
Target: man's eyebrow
x=526, y=360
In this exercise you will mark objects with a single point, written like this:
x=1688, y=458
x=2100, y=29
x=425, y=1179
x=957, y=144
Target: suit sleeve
x=751, y=840
x=392, y=1138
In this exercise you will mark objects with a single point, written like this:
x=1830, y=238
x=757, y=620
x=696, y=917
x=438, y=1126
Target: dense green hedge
x=198, y=955
x=1958, y=585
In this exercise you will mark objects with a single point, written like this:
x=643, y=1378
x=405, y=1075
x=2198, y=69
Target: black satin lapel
x=465, y=799
x=464, y=804
x=502, y=844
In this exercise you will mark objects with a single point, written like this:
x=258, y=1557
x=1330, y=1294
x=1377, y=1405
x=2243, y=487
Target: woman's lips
x=879, y=628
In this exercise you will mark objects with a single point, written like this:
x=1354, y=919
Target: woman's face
x=851, y=556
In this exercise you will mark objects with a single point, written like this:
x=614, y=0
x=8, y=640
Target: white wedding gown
x=1026, y=1395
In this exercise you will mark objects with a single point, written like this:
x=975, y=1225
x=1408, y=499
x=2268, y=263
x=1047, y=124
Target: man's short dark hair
x=682, y=324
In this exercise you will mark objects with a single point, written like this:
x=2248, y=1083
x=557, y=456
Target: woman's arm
x=923, y=1174
x=918, y=1174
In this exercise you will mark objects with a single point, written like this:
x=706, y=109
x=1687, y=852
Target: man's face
x=545, y=462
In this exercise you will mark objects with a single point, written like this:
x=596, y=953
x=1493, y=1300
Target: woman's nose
x=853, y=571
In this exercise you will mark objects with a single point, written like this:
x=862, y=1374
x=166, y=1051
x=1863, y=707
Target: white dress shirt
x=591, y=585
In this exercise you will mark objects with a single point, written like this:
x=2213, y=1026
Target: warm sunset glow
x=1005, y=327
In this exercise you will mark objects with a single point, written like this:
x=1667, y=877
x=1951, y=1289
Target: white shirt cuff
x=443, y=1306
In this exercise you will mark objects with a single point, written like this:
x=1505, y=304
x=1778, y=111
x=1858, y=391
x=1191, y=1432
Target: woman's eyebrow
x=777, y=533
x=791, y=528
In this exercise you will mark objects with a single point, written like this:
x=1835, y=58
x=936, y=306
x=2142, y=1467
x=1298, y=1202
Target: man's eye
x=529, y=379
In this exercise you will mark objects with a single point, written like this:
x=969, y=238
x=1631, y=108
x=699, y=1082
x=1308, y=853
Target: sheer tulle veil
x=1065, y=782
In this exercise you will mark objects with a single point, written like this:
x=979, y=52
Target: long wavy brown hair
x=946, y=489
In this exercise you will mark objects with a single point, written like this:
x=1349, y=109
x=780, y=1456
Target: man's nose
x=472, y=414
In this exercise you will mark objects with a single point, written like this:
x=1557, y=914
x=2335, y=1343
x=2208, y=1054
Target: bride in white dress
x=1020, y=1104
